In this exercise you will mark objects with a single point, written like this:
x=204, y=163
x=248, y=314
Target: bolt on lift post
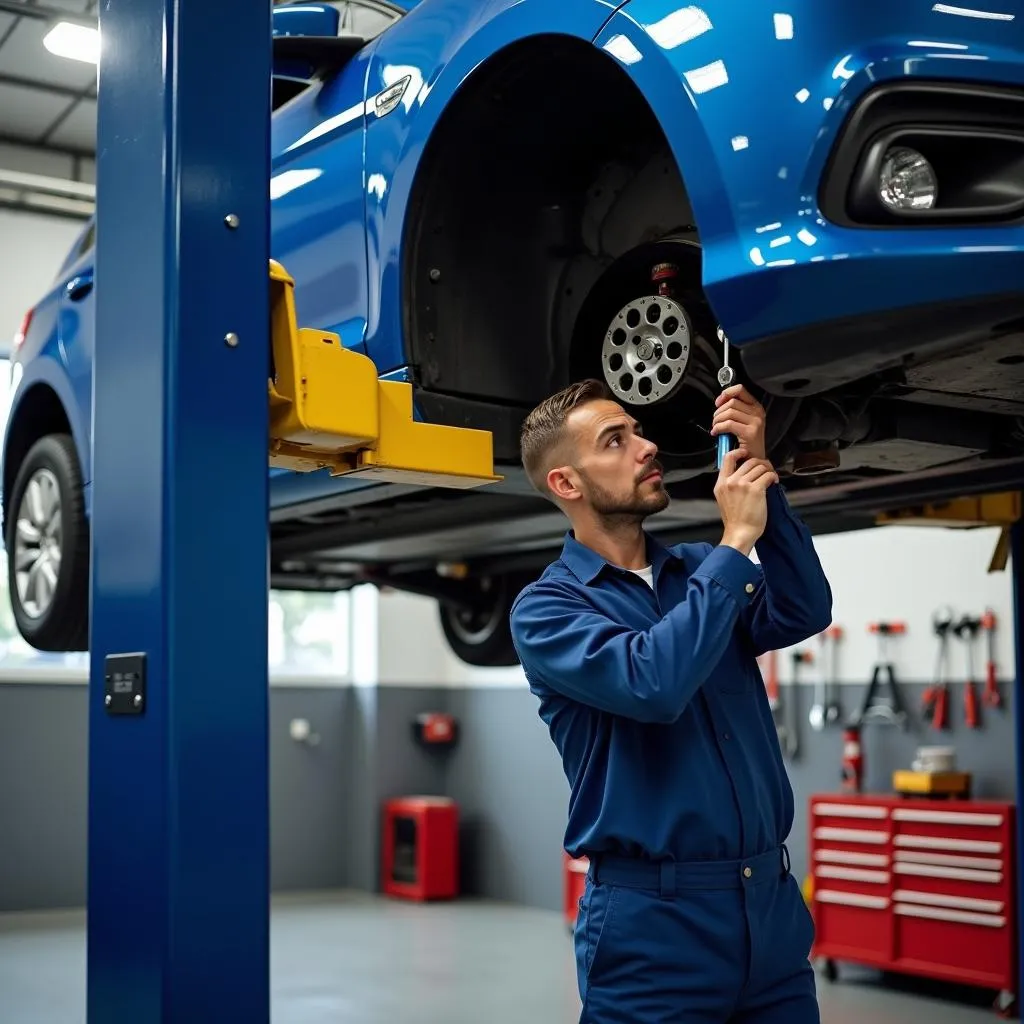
x=183, y=416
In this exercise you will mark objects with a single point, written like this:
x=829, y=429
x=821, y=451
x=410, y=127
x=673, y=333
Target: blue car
x=491, y=198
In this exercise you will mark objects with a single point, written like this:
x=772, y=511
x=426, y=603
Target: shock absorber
x=664, y=276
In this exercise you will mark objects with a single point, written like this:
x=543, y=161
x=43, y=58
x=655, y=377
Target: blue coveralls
x=679, y=794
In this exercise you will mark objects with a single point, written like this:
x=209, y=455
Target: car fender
x=47, y=371
x=439, y=46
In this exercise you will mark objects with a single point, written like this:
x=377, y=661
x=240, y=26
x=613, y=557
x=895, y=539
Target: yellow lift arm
x=1002, y=509
x=329, y=410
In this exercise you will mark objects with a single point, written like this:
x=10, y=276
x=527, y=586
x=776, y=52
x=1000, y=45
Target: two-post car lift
x=178, y=864
x=185, y=411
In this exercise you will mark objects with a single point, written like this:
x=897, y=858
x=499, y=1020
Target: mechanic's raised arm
x=793, y=600
x=649, y=675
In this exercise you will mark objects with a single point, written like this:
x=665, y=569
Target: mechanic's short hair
x=543, y=429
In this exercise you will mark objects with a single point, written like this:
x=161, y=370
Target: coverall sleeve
x=793, y=599
x=648, y=675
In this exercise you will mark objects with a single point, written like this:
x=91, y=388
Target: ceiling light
x=75, y=42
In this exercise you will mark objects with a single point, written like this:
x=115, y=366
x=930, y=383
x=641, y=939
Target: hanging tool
x=797, y=658
x=967, y=629
x=936, y=697
x=829, y=668
x=817, y=715
x=726, y=375
x=991, y=696
x=887, y=710
x=771, y=685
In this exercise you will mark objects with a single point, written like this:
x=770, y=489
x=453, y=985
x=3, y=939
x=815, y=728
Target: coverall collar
x=586, y=564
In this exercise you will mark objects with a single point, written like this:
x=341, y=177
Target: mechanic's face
x=615, y=469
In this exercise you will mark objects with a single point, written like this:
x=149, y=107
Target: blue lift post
x=178, y=878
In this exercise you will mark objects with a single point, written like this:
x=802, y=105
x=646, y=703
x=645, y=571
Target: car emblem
x=387, y=100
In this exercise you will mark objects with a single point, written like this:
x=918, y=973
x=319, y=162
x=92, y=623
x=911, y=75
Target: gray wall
x=509, y=782
x=325, y=800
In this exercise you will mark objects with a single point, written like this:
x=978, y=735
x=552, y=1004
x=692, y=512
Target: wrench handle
x=726, y=443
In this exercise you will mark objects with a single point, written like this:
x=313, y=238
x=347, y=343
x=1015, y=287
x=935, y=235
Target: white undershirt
x=646, y=574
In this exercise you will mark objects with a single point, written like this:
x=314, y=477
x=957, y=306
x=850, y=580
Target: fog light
x=907, y=181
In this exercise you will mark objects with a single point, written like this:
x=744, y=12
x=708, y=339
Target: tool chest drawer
x=916, y=886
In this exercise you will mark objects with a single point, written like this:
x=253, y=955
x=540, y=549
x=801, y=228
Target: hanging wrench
x=817, y=715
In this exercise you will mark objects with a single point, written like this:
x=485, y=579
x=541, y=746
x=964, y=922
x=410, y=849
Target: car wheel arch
x=38, y=410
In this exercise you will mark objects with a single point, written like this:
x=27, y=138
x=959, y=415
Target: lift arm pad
x=329, y=410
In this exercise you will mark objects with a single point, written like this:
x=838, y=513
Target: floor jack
x=887, y=710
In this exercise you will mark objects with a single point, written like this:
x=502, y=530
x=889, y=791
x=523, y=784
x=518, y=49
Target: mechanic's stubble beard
x=618, y=513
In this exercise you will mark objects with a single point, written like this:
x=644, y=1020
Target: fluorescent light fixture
x=679, y=27
x=288, y=181
x=783, y=26
x=969, y=12
x=709, y=77
x=929, y=45
x=623, y=48
x=74, y=42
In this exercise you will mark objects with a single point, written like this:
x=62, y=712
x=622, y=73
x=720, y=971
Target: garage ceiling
x=46, y=102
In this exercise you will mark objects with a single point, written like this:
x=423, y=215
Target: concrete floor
x=463, y=963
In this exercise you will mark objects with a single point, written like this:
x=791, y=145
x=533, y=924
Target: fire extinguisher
x=853, y=760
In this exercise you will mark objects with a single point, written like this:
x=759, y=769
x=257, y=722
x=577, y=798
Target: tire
x=51, y=467
x=483, y=637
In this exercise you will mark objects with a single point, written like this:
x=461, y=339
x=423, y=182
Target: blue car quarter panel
x=752, y=103
x=654, y=698
x=438, y=48
x=316, y=201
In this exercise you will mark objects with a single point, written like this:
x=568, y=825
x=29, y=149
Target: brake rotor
x=646, y=350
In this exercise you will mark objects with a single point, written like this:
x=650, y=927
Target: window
x=364, y=18
x=308, y=637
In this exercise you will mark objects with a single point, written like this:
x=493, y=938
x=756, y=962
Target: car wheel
x=481, y=634
x=48, y=548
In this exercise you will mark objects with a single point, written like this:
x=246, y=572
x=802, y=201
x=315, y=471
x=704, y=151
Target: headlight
x=907, y=181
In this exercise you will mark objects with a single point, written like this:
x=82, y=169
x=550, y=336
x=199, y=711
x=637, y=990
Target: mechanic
x=643, y=659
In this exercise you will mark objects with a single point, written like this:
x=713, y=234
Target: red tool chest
x=420, y=848
x=574, y=882
x=916, y=886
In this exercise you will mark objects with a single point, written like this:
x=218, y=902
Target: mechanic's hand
x=740, y=414
x=741, y=496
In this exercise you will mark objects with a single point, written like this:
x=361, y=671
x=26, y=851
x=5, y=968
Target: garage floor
x=457, y=964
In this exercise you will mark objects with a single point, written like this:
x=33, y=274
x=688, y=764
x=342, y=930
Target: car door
x=76, y=330
x=318, y=227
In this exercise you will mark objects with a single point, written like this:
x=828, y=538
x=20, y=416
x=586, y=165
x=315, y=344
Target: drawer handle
x=946, y=843
x=852, y=874
x=852, y=835
x=947, y=817
x=960, y=916
x=868, y=860
x=950, y=860
x=937, y=871
x=938, y=899
x=851, y=811
x=851, y=899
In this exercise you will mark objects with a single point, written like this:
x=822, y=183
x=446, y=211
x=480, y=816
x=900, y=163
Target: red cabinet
x=916, y=886
x=574, y=877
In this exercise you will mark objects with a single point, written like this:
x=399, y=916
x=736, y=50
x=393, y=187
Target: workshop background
x=333, y=667
x=344, y=695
